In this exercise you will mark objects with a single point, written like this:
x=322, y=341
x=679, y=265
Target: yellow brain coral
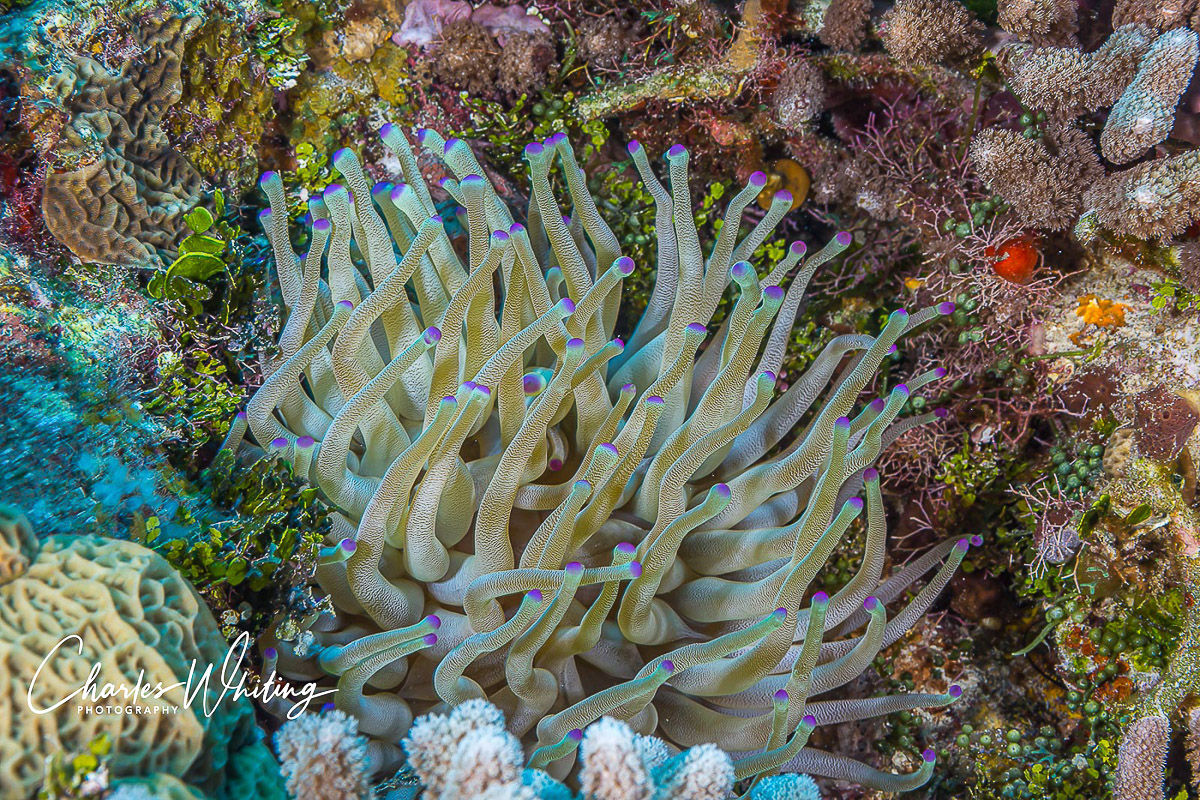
x=131, y=612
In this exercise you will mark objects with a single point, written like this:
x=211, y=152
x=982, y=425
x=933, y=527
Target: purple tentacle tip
x=962, y=544
x=532, y=383
x=773, y=292
x=556, y=138
x=945, y=308
x=782, y=196
x=264, y=214
x=269, y=175
x=574, y=566
x=976, y=540
x=871, y=603
x=955, y=691
x=810, y=720
x=820, y=597
x=305, y=441
x=655, y=400
x=429, y=639
x=469, y=385
x=624, y=264
x=902, y=389
x=798, y=248
x=535, y=595
x=941, y=413
x=433, y=335
x=633, y=146
x=870, y=474
x=676, y=151
x=842, y=422
x=629, y=387
x=929, y=756
x=483, y=390
x=386, y=129
x=342, y=153
x=667, y=665
x=610, y=447
x=450, y=399
x=940, y=372
x=582, y=485
x=472, y=178
x=322, y=225
x=279, y=442
x=499, y=236
x=782, y=695
x=451, y=143
x=855, y=503
x=434, y=621
x=241, y=415
x=767, y=375
x=741, y=269
x=619, y=342
x=844, y=238
x=568, y=304
x=758, y=179
x=437, y=219
x=328, y=707
x=333, y=188
x=270, y=652
x=891, y=350
x=575, y=344
x=422, y=133
x=515, y=228
x=696, y=327
x=575, y=735
x=627, y=547
x=346, y=304
x=555, y=464
x=877, y=405
x=721, y=489
x=635, y=569
x=780, y=612
x=534, y=149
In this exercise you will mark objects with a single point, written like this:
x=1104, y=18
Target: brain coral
x=566, y=524
x=133, y=612
x=116, y=191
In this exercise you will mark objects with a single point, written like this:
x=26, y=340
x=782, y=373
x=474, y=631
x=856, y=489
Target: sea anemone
x=570, y=526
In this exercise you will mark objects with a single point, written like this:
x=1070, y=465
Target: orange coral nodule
x=1018, y=258
x=1100, y=312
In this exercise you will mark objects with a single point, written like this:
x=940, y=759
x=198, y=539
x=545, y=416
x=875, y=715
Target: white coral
x=322, y=757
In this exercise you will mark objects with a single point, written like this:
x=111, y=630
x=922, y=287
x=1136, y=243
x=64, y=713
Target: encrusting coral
x=84, y=600
x=538, y=514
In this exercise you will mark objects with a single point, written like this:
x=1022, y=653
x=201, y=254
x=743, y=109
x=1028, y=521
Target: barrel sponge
x=131, y=611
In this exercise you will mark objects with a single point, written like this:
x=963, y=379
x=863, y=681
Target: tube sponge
x=600, y=529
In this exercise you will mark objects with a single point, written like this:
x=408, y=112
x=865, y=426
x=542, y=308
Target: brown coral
x=799, y=96
x=1163, y=423
x=605, y=41
x=1040, y=22
x=18, y=545
x=1161, y=15
x=1145, y=113
x=1155, y=200
x=930, y=32
x=1066, y=82
x=525, y=63
x=118, y=191
x=466, y=57
x=1142, y=759
x=1042, y=180
x=844, y=26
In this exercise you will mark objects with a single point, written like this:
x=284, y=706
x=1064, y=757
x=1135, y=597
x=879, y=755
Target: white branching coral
x=1145, y=113
x=532, y=512
x=930, y=32
x=322, y=757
